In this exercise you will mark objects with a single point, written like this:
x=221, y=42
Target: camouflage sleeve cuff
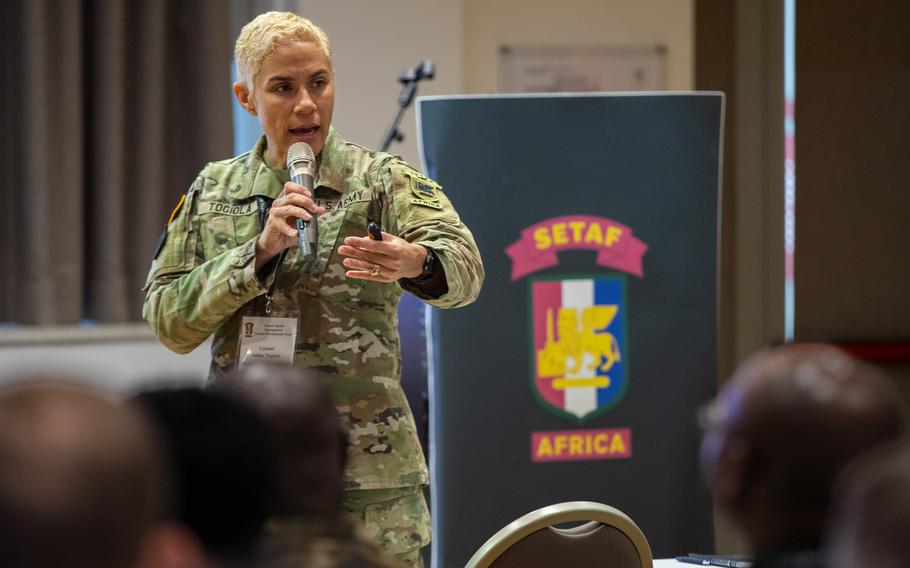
x=184, y=310
x=431, y=288
x=266, y=274
x=246, y=261
x=461, y=280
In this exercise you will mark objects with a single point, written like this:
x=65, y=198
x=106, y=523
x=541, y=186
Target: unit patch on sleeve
x=425, y=192
x=176, y=209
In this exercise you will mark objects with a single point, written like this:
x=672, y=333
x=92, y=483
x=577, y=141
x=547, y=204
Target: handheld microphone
x=302, y=167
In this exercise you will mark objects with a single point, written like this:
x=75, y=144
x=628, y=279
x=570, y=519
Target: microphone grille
x=300, y=151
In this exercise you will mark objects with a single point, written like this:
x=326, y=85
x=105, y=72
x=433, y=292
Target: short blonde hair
x=266, y=33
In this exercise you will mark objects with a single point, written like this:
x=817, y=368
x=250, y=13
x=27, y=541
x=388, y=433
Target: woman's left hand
x=387, y=260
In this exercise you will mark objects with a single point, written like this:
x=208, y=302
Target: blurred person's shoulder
x=294, y=543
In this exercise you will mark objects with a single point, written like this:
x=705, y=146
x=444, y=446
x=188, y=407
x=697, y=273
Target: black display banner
x=578, y=372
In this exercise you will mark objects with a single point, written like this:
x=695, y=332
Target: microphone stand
x=409, y=78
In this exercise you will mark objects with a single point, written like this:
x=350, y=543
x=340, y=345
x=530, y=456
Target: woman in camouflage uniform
x=229, y=253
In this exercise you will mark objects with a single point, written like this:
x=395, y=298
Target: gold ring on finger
x=374, y=270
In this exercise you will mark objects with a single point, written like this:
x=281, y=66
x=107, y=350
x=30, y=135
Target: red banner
x=539, y=244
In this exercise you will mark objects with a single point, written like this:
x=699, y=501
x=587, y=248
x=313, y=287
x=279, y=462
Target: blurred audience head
x=83, y=482
x=782, y=430
x=310, y=446
x=871, y=520
x=219, y=451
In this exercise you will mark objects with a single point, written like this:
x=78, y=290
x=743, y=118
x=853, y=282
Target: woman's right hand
x=280, y=230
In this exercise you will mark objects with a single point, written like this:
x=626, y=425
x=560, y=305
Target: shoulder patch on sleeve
x=424, y=188
x=425, y=203
x=176, y=209
x=424, y=191
x=161, y=240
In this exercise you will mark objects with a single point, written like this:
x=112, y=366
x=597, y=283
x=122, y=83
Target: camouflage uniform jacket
x=203, y=281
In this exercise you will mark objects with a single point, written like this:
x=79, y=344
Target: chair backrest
x=607, y=539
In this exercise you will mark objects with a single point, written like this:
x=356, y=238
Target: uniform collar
x=259, y=179
x=331, y=171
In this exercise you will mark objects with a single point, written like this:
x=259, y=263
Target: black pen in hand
x=374, y=231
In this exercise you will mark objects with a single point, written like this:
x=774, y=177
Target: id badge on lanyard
x=266, y=339
x=267, y=334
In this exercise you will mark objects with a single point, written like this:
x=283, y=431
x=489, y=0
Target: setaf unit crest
x=578, y=339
